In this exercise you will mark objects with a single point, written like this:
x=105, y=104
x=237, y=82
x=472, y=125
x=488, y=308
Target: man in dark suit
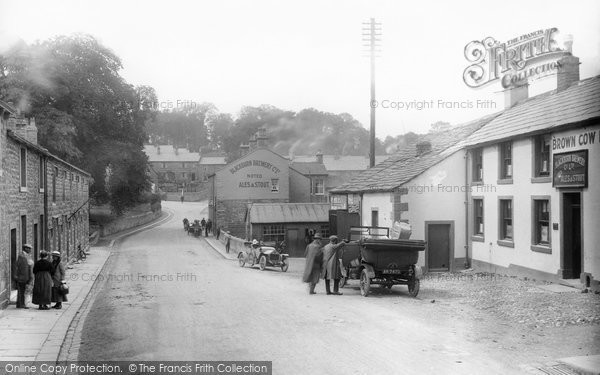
x=23, y=274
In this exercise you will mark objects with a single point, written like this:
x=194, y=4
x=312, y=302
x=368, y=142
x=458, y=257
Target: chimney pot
x=319, y=157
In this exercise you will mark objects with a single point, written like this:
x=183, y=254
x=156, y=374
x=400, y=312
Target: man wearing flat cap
x=331, y=265
x=23, y=274
x=314, y=260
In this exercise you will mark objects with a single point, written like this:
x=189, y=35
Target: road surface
x=165, y=295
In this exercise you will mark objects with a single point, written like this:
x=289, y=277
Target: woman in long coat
x=42, y=286
x=58, y=276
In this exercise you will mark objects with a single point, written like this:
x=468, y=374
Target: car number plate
x=393, y=271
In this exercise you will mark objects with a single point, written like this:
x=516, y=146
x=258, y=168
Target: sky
x=309, y=53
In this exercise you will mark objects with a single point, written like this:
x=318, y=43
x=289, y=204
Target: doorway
x=294, y=244
x=13, y=256
x=440, y=245
x=571, y=243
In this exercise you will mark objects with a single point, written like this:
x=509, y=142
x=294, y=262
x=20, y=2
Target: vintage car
x=264, y=256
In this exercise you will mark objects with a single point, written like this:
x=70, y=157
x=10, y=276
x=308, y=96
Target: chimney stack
x=319, y=157
x=568, y=72
x=261, y=137
x=245, y=149
x=423, y=147
x=516, y=94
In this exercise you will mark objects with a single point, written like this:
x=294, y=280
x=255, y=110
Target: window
x=541, y=216
x=273, y=233
x=374, y=218
x=23, y=169
x=64, y=181
x=164, y=165
x=42, y=174
x=183, y=165
x=506, y=160
x=54, y=177
x=317, y=186
x=542, y=155
x=506, y=220
x=324, y=230
x=274, y=185
x=193, y=176
x=477, y=165
x=478, y=216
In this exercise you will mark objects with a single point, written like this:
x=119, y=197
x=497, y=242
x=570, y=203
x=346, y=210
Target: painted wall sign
x=586, y=138
x=570, y=169
x=339, y=201
x=254, y=163
x=513, y=62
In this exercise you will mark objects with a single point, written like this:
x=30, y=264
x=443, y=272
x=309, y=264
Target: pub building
x=519, y=195
x=543, y=157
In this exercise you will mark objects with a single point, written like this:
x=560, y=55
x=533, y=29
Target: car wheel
x=342, y=282
x=241, y=260
x=262, y=263
x=365, y=283
x=285, y=265
x=413, y=287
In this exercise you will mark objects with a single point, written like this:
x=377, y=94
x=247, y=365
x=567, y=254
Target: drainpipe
x=45, y=223
x=467, y=262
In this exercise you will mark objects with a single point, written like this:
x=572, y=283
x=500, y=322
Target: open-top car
x=264, y=256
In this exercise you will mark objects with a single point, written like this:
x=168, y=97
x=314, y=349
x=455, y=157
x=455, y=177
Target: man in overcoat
x=331, y=265
x=23, y=275
x=314, y=260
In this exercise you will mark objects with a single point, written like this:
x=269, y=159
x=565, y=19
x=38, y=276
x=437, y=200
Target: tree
x=72, y=86
x=440, y=126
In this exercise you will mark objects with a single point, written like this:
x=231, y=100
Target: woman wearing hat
x=42, y=286
x=58, y=277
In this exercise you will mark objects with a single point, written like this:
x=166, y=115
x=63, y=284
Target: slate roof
x=341, y=163
x=405, y=164
x=579, y=102
x=289, y=213
x=167, y=154
x=309, y=168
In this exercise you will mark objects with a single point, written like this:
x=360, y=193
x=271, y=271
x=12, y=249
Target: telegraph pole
x=373, y=32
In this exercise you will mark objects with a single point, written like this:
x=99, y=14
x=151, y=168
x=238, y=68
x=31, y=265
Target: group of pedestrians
x=43, y=279
x=323, y=262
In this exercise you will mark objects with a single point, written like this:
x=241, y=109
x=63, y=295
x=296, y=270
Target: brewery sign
x=570, y=169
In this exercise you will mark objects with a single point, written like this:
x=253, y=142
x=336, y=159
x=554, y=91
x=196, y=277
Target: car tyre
x=262, y=263
x=342, y=282
x=241, y=260
x=365, y=283
x=285, y=265
x=413, y=287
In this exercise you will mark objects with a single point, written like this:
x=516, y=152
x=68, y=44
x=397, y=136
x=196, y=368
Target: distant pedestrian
x=42, y=287
x=314, y=260
x=228, y=244
x=331, y=264
x=23, y=275
x=58, y=277
x=209, y=225
x=181, y=198
x=218, y=232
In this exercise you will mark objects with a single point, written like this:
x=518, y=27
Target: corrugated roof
x=309, y=168
x=405, y=165
x=579, y=102
x=341, y=163
x=213, y=160
x=167, y=153
x=289, y=213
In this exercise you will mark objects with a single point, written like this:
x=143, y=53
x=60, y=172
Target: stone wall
x=125, y=223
